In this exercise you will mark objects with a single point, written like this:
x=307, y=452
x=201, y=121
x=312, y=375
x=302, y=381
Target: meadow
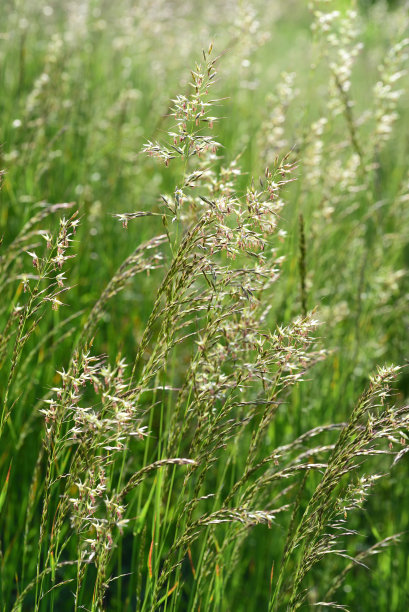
x=204, y=251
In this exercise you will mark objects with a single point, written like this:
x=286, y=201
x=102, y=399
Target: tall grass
x=197, y=432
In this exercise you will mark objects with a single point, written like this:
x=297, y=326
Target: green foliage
x=200, y=270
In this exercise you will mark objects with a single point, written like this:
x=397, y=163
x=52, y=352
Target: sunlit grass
x=155, y=452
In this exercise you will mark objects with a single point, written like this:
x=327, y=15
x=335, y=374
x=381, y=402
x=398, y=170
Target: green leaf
x=4, y=489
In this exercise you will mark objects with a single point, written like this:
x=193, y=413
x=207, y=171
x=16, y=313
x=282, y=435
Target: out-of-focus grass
x=75, y=134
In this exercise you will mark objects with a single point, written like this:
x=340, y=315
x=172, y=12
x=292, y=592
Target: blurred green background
x=85, y=83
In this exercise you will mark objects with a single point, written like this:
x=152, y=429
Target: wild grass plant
x=184, y=436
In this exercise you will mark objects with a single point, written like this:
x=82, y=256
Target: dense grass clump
x=199, y=298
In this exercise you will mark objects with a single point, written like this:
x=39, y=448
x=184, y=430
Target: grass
x=203, y=275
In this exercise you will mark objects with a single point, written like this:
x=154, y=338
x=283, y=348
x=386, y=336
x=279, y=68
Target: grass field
x=204, y=251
